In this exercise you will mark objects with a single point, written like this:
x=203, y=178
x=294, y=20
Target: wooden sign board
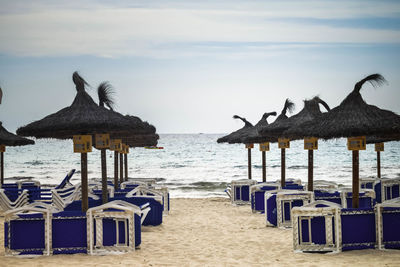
x=356, y=143
x=82, y=143
x=379, y=147
x=2, y=148
x=283, y=143
x=116, y=145
x=250, y=146
x=125, y=148
x=264, y=146
x=311, y=143
x=102, y=141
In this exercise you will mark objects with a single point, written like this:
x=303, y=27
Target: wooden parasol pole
x=83, y=145
x=355, y=144
x=310, y=186
x=356, y=184
x=378, y=159
x=249, y=147
x=2, y=168
x=249, y=162
x=283, y=167
x=121, y=168
x=84, y=182
x=264, y=166
x=104, y=188
x=126, y=166
x=115, y=170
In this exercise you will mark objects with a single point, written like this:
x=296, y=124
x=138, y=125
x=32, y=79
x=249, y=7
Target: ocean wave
x=34, y=162
x=204, y=186
x=19, y=178
x=240, y=166
x=296, y=167
x=173, y=166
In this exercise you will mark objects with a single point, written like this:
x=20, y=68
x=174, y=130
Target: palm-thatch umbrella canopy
x=261, y=137
x=148, y=137
x=379, y=147
x=9, y=139
x=236, y=137
x=309, y=112
x=251, y=131
x=144, y=135
x=353, y=118
x=83, y=117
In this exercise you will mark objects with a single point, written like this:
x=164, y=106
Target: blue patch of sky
x=390, y=23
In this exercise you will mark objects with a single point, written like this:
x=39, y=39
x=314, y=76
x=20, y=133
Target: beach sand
x=212, y=232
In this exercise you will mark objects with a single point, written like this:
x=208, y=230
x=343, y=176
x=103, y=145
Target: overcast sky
x=188, y=66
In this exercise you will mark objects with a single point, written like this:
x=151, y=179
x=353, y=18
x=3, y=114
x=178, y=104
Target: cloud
x=117, y=29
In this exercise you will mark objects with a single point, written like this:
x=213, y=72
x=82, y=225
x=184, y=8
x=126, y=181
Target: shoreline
x=212, y=232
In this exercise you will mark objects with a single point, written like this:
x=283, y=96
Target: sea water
x=195, y=165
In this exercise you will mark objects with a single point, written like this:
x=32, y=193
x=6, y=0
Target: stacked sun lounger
x=239, y=191
x=387, y=189
x=42, y=230
x=278, y=205
x=327, y=227
x=35, y=192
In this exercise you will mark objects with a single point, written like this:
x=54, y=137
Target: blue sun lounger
x=388, y=222
x=257, y=193
x=7, y=204
x=114, y=227
x=324, y=226
x=278, y=206
x=35, y=192
x=386, y=189
x=239, y=191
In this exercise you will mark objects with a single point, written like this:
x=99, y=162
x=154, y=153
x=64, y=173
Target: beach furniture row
x=279, y=203
x=42, y=230
x=246, y=191
x=324, y=226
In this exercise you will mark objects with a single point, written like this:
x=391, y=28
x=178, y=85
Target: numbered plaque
x=82, y=143
x=264, y=146
x=283, y=143
x=356, y=143
x=250, y=146
x=116, y=145
x=379, y=147
x=102, y=141
x=311, y=143
x=126, y=149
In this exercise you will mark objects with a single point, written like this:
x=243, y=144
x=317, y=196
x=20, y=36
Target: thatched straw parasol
x=354, y=118
x=379, y=147
x=147, y=138
x=261, y=137
x=254, y=131
x=310, y=111
x=9, y=139
x=236, y=137
x=83, y=117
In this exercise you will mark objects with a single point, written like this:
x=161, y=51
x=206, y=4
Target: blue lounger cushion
x=358, y=230
x=317, y=230
x=391, y=222
x=27, y=234
x=69, y=232
x=271, y=210
x=155, y=215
